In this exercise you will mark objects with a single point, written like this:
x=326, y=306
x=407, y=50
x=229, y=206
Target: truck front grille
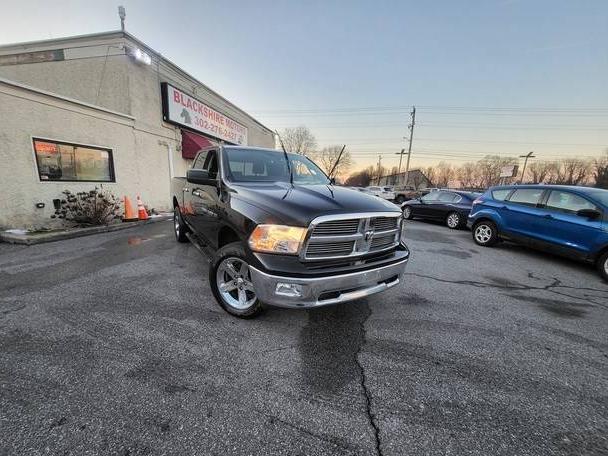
x=337, y=227
x=381, y=242
x=384, y=223
x=345, y=237
x=318, y=249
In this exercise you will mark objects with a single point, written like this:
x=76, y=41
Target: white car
x=386, y=193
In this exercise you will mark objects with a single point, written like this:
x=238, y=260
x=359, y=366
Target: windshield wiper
x=286, y=159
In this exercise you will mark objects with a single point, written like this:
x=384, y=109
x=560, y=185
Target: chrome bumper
x=337, y=288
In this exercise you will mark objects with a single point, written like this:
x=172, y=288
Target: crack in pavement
x=551, y=288
x=368, y=404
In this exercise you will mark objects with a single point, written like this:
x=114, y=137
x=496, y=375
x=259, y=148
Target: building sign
x=181, y=109
x=508, y=171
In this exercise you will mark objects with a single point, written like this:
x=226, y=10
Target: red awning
x=192, y=143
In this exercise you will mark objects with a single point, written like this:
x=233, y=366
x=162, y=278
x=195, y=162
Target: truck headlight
x=277, y=239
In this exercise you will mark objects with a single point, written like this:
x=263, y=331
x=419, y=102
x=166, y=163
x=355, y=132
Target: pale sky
x=487, y=76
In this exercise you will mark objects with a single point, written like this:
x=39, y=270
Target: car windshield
x=255, y=165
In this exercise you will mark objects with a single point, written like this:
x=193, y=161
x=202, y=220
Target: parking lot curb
x=40, y=238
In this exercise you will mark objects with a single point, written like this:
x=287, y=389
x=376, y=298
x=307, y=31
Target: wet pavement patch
x=460, y=254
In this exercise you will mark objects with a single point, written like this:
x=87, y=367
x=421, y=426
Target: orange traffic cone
x=142, y=214
x=129, y=215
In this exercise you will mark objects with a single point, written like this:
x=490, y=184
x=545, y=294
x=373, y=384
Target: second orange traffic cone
x=129, y=215
x=142, y=214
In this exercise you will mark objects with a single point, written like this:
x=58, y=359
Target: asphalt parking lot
x=113, y=344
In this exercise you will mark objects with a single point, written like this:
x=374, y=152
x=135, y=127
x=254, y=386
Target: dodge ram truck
x=280, y=233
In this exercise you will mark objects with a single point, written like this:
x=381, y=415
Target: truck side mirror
x=200, y=176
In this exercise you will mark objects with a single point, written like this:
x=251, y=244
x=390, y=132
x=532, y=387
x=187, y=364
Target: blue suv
x=570, y=221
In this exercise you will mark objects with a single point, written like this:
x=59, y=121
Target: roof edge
x=158, y=55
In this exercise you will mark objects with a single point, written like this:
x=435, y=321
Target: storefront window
x=59, y=161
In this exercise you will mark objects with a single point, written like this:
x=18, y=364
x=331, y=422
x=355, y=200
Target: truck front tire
x=230, y=282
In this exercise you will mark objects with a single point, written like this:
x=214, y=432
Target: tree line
x=486, y=172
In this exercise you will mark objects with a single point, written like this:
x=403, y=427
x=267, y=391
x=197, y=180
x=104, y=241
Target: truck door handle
x=196, y=193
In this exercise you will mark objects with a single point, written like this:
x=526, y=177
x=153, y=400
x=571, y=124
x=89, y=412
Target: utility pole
x=379, y=168
x=523, y=172
x=409, y=149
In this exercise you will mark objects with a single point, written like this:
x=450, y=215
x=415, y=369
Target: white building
x=103, y=109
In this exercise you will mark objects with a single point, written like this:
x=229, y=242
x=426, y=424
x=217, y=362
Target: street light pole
x=523, y=172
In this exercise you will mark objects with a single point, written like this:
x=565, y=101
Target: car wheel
x=602, y=266
x=454, y=220
x=230, y=281
x=400, y=199
x=179, y=226
x=407, y=213
x=485, y=233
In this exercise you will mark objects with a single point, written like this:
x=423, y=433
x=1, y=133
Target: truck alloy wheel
x=453, y=220
x=234, y=283
x=179, y=226
x=230, y=281
x=407, y=212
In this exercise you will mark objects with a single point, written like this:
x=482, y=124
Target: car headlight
x=277, y=239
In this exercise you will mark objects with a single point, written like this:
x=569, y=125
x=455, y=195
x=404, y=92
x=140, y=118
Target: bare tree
x=299, y=140
x=600, y=171
x=573, y=171
x=468, y=175
x=489, y=169
x=326, y=158
x=431, y=174
x=541, y=171
x=444, y=174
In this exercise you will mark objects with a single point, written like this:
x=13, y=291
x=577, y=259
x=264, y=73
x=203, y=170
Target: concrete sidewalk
x=31, y=238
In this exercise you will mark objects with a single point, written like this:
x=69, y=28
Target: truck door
x=187, y=209
x=205, y=198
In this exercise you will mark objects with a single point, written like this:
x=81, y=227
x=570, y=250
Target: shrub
x=95, y=207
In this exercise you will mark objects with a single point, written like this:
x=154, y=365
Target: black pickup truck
x=281, y=233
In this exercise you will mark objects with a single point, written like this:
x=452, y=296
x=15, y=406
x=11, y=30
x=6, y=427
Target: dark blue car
x=570, y=221
x=448, y=206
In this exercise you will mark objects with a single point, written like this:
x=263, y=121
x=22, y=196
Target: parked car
x=449, y=206
x=280, y=233
x=567, y=220
x=386, y=193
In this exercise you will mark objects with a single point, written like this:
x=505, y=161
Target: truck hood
x=299, y=205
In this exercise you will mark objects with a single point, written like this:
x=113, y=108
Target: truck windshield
x=255, y=165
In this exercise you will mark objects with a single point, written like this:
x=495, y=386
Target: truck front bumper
x=296, y=292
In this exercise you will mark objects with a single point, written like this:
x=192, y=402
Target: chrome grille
x=384, y=223
x=342, y=237
x=380, y=242
x=337, y=227
x=329, y=249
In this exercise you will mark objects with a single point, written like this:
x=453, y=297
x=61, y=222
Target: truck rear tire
x=230, y=282
x=179, y=227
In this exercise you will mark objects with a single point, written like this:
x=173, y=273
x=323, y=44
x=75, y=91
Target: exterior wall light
x=139, y=56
